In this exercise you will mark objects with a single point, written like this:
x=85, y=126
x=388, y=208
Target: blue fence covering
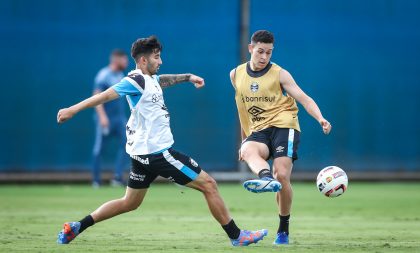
x=357, y=59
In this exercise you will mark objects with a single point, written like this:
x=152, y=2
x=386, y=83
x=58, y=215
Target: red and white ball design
x=332, y=181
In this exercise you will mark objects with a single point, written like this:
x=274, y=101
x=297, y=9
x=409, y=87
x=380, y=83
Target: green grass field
x=369, y=217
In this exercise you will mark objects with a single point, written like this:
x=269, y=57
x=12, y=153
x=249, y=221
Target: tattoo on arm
x=169, y=80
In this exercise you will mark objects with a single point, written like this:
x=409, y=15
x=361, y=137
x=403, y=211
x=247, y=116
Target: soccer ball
x=332, y=181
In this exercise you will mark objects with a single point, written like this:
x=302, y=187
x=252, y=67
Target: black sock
x=265, y=173
x=232, y=230
x=284, y=224
x=85, y=223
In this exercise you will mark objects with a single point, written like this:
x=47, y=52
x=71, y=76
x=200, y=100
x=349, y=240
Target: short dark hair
x=118, y=52
x=145, y=46
x=262, y=36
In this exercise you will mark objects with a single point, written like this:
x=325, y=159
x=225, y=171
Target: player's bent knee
x=129, y=206
x=208, y=185
x=211, y=183
x=247, y=154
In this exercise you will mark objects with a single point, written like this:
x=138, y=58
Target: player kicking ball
x=149, y=144
x=266, y=96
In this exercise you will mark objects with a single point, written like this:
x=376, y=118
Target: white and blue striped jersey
x=148, y=129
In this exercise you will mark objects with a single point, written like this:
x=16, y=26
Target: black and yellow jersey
x=261, y=100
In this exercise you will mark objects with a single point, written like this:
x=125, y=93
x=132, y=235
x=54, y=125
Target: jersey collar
x=258, y=73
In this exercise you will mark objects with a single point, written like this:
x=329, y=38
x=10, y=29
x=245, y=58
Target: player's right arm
x=289, y=84
x=95, y=100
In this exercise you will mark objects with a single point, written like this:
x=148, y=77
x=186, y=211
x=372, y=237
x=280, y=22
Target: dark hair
x=262, y=36
x=145, y=46
x=118, y=52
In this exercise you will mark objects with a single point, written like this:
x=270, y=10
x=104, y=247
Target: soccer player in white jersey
x=149, y=144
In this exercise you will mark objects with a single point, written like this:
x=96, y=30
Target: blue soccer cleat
x=248, y=237
x=69, y=232
x=282, y=238
x=265, y=184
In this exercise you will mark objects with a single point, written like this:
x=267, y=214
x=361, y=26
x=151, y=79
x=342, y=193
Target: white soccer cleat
x=264, y=184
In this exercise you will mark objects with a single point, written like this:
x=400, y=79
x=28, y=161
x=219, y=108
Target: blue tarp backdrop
x=357, y=59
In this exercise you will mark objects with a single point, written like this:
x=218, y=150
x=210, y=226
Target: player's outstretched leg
x=131, y=201
x=208, y=186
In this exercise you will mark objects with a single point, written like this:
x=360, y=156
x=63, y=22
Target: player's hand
x=197, y=81
x=326, y=126
x=65, y=114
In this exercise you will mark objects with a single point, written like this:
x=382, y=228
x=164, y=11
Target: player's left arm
x=291, y=87
x=168, y=80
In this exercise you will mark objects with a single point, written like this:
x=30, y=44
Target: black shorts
x=169, y=164
x=280, y=141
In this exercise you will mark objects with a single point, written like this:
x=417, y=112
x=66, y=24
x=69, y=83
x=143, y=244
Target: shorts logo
x=194, y=163
x=254, y=87
x=280, y=149
x=171, y=179
x=137, y=177
x=255, y=111
x=141, y=160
